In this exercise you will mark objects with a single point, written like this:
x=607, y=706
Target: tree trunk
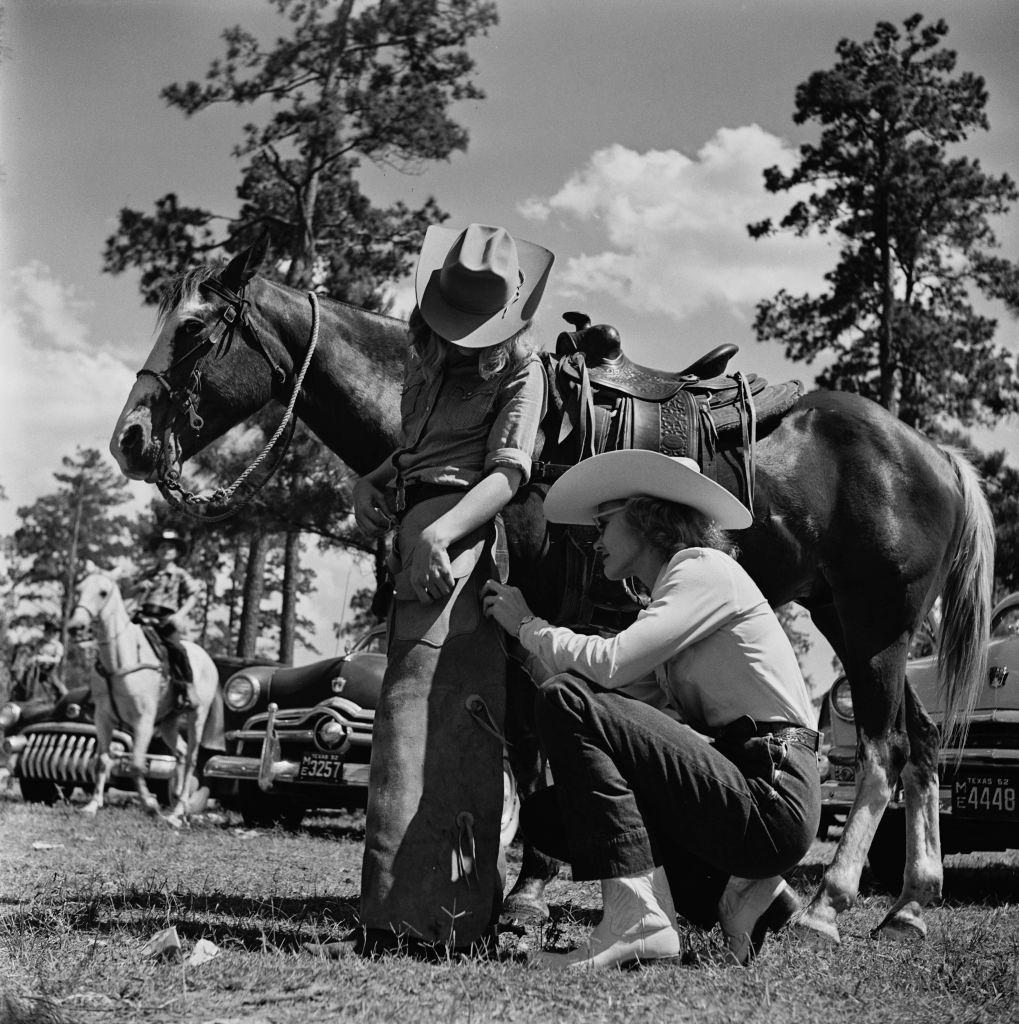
x=288, y=611
x=254, y=585
x=236, y=576
x=72, y=562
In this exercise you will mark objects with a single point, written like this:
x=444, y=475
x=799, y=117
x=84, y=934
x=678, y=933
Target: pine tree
x=913, y=221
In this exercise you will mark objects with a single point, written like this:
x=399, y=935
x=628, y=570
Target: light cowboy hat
x=578, y=495
x=479, y=286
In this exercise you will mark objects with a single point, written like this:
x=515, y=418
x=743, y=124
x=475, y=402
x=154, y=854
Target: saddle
x=601, y=400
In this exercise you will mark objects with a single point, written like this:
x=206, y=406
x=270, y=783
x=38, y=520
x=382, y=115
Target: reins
x=215, y=505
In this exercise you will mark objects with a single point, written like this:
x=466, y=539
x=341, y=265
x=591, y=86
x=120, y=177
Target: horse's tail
x=966, y=602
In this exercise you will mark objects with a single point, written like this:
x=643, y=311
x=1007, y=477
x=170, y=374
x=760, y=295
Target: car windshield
x=373, y=642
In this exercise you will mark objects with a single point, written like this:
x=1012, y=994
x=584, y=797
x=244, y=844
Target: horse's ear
x=243, y=267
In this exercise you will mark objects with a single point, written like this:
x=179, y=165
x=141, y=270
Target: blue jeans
x=634, y=789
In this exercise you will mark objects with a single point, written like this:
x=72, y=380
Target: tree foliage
x=377, y=84
x=913, y=220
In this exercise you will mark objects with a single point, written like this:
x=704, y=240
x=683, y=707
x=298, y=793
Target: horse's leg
x=876, y=682
x=142, y=732
x=104, y=762
x=186, y=767
x=923, y=874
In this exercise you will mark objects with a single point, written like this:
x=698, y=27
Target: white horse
x=138, y=693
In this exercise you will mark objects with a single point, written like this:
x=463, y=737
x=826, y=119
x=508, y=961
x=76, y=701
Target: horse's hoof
x=151, y=807
x=90, y=809
x=525, y=906
x=902, y=925
x=816, y=928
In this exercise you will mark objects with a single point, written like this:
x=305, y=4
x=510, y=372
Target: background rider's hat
x=479, y=286
x=576, y=496
x=170, y=538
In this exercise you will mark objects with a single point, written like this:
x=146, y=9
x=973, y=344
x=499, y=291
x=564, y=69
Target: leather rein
x=219, y=504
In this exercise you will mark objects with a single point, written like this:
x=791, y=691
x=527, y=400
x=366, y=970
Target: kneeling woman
x=695, y=796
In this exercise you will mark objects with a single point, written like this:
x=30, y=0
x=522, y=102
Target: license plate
x=321, y=768
x=986, y=794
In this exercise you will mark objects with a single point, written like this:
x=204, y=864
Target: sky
x=628, y=136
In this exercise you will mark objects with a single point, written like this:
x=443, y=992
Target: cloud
x=57, y=390
x=674, y=228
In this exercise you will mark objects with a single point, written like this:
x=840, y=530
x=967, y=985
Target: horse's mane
x=183, y=288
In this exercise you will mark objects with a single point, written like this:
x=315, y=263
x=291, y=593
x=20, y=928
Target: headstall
x=219, y=504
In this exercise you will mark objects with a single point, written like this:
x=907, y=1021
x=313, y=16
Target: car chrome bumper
x=271, y=768
x=65, y=752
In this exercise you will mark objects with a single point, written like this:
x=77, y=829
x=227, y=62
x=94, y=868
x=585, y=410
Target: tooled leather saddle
x=601, y=400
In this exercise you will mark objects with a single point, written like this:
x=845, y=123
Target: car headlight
x=9, y=714
x=241, y=692
x=73, y=711
x=842, y=700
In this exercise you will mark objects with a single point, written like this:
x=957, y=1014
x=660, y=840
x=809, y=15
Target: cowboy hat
x=479, y=286
x=170, y=538
x=576, y=496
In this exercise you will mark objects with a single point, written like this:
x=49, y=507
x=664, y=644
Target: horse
x=858, y=517
x=137, y=693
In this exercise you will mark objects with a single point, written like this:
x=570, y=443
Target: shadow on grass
x=256, y=925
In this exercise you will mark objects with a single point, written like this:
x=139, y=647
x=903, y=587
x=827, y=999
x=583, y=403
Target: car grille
x=295, y=730
x=62, y=752
x=993, y=736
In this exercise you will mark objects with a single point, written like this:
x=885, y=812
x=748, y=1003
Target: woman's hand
x=371, y=508
x=506, y=605
x=431, y=577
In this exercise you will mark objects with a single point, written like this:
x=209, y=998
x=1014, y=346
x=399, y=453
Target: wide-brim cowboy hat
x=170, y=538
x=479, y=286
x=612, y=476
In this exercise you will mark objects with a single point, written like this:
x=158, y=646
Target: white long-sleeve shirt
x=709, y=639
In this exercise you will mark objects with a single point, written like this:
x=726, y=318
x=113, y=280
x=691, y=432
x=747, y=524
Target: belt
x=157, y=610
x=409, y=495
x=744, y=727
x=791, y=734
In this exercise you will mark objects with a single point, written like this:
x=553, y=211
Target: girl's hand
x=430, y=575
x=371, y=508
x=506, y=605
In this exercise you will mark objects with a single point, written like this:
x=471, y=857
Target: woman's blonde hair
x=431, y=349
x=670, y=527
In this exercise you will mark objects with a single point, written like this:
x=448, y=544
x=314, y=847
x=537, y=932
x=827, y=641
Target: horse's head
x=209, y=369
x=94, y=598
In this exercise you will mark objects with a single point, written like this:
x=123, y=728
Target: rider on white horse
x=165, y=597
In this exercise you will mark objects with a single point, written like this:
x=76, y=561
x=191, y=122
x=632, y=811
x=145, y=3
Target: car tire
x=887, y=855
x=40, y=791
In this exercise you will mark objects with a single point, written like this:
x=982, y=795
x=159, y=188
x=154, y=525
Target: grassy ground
x=75, y=911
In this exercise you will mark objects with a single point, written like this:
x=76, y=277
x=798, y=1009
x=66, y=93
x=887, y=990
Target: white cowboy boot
x=638, y=924
x=749, y=907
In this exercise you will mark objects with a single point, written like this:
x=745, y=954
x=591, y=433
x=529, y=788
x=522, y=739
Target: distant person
x=165, y=598
x=39, y=674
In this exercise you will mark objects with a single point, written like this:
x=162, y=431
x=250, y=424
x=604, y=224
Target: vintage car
x=979, y=798
x=300, y=738
x=51, y=747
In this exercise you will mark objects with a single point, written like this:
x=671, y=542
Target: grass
x=73, y=917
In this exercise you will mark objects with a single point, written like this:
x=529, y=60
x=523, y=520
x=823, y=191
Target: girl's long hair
x=431, y=349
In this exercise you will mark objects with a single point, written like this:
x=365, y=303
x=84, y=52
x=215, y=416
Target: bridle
x=216, y=505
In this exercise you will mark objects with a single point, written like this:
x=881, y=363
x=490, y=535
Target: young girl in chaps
x=473, y=398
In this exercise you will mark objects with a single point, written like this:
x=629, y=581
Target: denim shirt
x=458, y=427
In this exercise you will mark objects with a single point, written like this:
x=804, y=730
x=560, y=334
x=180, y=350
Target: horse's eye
x=192, y=328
